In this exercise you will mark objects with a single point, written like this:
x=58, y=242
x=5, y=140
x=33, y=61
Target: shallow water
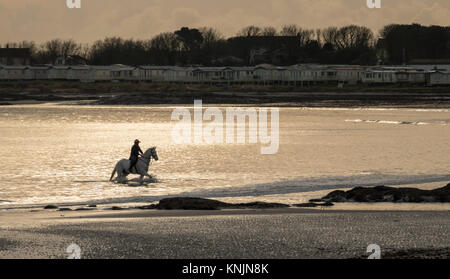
x=65, y=154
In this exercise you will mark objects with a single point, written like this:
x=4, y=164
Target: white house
x=294, y=73
x=177, y=74
x=212, y=74
x=121, y=72
x=438, y=78
x=415, y=77
x=15, y=73
x=328, y=74
x=151, y=73
x=379, y=77
x=436, y=67
x=349, y=74
x=58, y=72
x=80, y=73
x=101, y=73
x=37, y=72
x=243, y=73
x=314, y=73
x=2, y=73
x=280, y=74
x=263, y=72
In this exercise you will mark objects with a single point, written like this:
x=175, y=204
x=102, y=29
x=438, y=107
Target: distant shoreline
x=128, y=93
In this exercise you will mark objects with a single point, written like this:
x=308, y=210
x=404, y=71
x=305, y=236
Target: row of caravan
x=304, y=74
x=74, y=73
x=406, y=76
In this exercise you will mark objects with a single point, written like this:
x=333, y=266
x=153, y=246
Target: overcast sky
x=41, y=20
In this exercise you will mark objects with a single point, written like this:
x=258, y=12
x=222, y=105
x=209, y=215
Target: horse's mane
x=149, y=150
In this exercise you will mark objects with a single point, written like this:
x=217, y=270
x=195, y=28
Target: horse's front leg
x=141, y=179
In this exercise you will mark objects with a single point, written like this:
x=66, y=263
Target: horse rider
x=134, y=156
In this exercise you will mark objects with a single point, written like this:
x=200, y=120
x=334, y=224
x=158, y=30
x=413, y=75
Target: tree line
x=394, y=44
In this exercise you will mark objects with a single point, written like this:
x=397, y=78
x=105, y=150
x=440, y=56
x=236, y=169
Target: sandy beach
x=274, y=233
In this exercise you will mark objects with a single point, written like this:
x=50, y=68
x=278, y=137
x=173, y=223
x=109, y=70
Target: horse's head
x=151, y=152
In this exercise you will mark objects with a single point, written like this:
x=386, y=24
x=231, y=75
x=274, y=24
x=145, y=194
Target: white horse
x=141, y=168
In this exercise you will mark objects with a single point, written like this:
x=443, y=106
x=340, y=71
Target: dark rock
x=335, y=196
x=83, y=208
x=258, y=205
x=389, y=194
x=313, y=204
x=309, y=204
x=150, y=206
x=65, y=209
x=190, y=204
x=117, y=208
x=50, y=206
x=208, y=204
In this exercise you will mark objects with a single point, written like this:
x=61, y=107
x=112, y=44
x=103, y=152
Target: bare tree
x=330, y=36
x=319, y=36
x=249, y=31
x=353, y=36
x=69, y=47
x=269, y=31
x=290, y=30
x=305, y=36
x=49, y=51
x=210, y=36
x=166, y=42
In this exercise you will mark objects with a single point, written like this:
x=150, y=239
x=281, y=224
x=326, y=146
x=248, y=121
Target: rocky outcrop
x=258, y=205
x=389, y=194
x=84, y=208
x=190, y=203
x=187, y=203
x=314, y=203
x=150, y=206
x=118, y=208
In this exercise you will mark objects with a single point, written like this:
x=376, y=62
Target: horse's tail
x=113, y=173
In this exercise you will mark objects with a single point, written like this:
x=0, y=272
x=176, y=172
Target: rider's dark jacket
x=134, y=156
x=135, y=151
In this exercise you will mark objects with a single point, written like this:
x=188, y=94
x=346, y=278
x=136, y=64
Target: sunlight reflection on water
x=67, y=153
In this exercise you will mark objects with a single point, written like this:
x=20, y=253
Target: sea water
x=65, y=154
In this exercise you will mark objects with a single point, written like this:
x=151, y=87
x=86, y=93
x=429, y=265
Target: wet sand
x=148, y=94
x=247, y=234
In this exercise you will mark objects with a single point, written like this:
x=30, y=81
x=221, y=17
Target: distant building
x=429, y=61
x=15, y=56
x=438, y=78
x=70, y=60
x=277, y=50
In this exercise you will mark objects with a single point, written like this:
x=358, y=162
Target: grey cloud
x=41, y=20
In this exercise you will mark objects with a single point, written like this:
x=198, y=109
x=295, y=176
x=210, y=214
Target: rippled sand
x=260, y=234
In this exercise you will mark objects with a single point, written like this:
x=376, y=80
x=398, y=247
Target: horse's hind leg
x=121, y=175
x=121, y=178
